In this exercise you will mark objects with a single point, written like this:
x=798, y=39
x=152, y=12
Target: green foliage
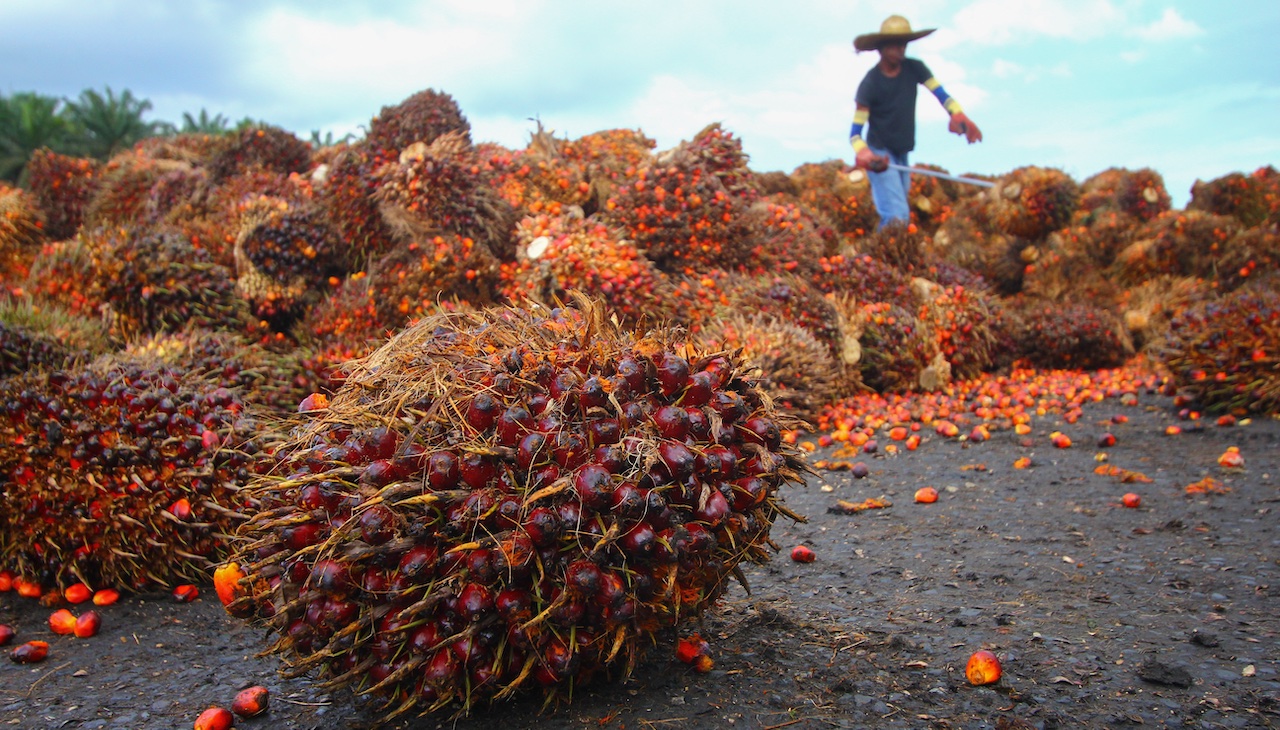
x=204, y=124
x=328, y=140
x=105, y=125
x=28, y=121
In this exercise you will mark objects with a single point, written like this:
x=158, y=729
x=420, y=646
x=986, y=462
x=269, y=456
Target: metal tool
x=941, y=175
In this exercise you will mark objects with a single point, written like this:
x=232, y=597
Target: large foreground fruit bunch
x=120, y=473
x=507, y=500
x=1226, y=353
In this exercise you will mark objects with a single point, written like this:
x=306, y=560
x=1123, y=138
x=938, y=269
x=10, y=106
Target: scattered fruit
x=77, y=593
x=1231, y=458
x=983, y=668
x=1106, y=440
x=62, y=621
x=30, y=652
x=1131, y=500
x=926, y=495
x=6, y=634
x=88, y=624
x=215, y=718
x=106, y=597
x=185, y=593
x=250, y=702
x=802, y=554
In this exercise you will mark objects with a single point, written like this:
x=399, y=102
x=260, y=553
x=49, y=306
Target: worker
x=886, y=102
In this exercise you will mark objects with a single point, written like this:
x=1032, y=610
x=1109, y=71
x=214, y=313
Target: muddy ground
x=1103, y=616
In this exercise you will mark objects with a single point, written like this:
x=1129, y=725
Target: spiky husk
x=785, y=237
x=1105, y=234
x=441, y=187
x=1032, y=202
x=1078, y=336
x=895, y=347
x=1247, y=256
x=410, y=547
x=1062, y=272
x=1176, y=243
x=62, y=187
x=790, y=298
x=121, y=473
x=267, y=148
x=22, y=225
x=826, y=188
x=1226, y=353
x=567, y=253
x=797, y=370
x=422, y=117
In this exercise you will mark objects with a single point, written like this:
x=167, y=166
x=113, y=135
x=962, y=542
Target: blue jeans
x=889, y=190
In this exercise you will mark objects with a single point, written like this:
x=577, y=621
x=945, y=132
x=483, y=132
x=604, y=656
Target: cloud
x=1001, y=22
x=1170, y=26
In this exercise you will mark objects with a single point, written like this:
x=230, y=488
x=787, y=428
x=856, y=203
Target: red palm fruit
x=543, y=526
x=513, y=604
x=6, y=581
x=331, y=577
x=6, y=634
x=558, y=663
x=425, y=638
x=419, y=562
x=185, y=593
x=476, y=470
x=604, y=431
x=215, y=718
x=593, y=393
x=714, y=510
x=226, y=582
x=30, y=652
x=628, y=501
x=480, y=567
x=1106, y=440
x=442, y=470
x=105, y=597
x=62, y=621
x=181, y=509
x=802, y=554
x=474, y=601
x=251, y=701
x=27, y=588
x=441, y=670
x=594, y=486
x=532, y=451
x=87, y=624
x=763, y=431
x=297, y=537
x=982, y=668
x=747, y=492
x=632, y=371
x=569, y=450
x=672, y=422
x=639, y=542
x=673, y=373
x=377, y=524
x=313, y=402
x=77, y=593
x=699, y=390
x=677, y=458
x=483, y=411
x=513, y=424
x=582, y=578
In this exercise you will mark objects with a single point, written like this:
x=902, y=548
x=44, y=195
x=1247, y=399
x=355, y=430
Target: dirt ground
x=1103, y=616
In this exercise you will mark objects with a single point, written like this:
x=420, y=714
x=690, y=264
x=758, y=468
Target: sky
x=1187, y=87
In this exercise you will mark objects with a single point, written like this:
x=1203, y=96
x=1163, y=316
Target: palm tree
x=109, y=124
x=204, y=124
x=28, y=121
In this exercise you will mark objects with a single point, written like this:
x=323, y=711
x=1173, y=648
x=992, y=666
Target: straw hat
x=894, y=28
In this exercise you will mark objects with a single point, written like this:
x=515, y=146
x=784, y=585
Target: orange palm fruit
x=926, y=495
x=62, y=621
x=983, y=668
x=78, y=593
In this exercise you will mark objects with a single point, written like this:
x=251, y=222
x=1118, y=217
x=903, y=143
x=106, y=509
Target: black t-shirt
x=892, y=101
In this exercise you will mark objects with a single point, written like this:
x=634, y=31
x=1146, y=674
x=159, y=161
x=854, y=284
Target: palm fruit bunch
x=407, y=283
x=827, y=189
x=900, y=245
x=894, y=349
x=194, y=149
x=787, y=297
x=796, y=370
x=62, y=187
x=22, y=226
x=1031, y=202
x=1100, y=235
x=1223, y=352
x=1139, y=193
x=717, y=151
x=1077, y=336
x=959, y=321
x=864, y=276
x=785, y=237
x=1247, y=256
x=1176, y=243
x=171, y=191
x=679, y=211
x=284, y=253
x=1147, y=308
x=156, y=281
x=441, y=187
x=420, y=118
x=1063, y=272
x=346, y=192
x=556, y=255
x=1250, y=199
x=347, y=313
x=610, y=158
x=119, y=473
x=264, y=147
x=124, y=190
x=46, y=337
x=507, y=500
x=59, y=276
x=972, y=240
x=543, y=178
x=932, y=199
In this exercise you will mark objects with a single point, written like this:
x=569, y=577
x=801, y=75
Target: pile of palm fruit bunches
x=166, y=311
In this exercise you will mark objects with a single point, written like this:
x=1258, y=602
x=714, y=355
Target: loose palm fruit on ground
x=215, y=718
x=506, y=500
x=30, y=652
x=87, y=624
x=250, y=702
x=6, y=634
x=983, y=668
